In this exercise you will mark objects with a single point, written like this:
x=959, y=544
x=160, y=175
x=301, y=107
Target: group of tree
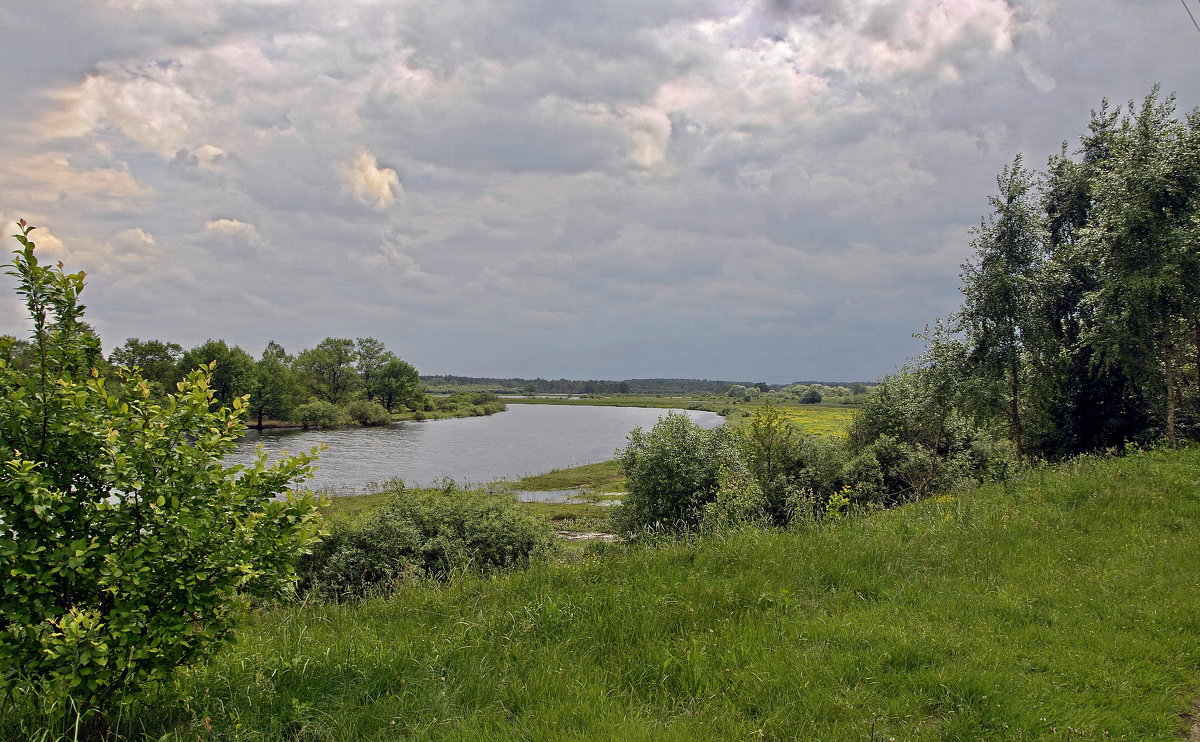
x=339, y=378
x=1080, y=328
x=1079, y=332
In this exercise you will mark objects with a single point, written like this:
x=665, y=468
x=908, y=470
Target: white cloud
x=235, y=230
x=377, y=187
x=50, y=182
x=210, y=157
x=650, y=131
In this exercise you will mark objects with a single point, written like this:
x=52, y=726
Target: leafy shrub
x=425, y=534
x=319, y=414
x=910, y=425
x=739, y=501
x=673, y=472
x=126, y=549
x=364, y=412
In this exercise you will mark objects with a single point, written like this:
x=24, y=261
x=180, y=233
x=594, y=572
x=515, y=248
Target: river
x=523, y=440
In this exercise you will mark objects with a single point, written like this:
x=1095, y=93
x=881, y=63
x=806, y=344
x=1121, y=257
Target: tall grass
x=1063, y=607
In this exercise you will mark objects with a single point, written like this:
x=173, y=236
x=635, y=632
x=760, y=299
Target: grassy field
x=820, y=419
x=1065, y=606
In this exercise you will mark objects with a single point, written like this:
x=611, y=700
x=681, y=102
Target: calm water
x=525, y=439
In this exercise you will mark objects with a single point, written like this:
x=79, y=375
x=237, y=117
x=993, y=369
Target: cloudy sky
x=765, y=190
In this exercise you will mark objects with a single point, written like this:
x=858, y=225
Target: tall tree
x=371, y=355
x=1144, y=204
x=997, y=286
x=276, y=390
x=397, y=383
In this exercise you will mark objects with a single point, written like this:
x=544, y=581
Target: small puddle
x=569, y=497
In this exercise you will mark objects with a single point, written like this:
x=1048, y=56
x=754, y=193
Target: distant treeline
x=628, y=386
x=337, y=381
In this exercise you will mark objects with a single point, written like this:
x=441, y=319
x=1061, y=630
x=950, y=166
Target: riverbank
x=597, y=485
x=1064, y=604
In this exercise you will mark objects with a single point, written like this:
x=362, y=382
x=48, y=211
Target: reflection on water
x=525, y=439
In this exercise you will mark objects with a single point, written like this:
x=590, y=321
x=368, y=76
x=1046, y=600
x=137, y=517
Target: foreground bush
x=424, y=534
x=126, y=549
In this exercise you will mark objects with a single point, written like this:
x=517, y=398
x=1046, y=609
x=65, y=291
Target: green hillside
x=1063, y=607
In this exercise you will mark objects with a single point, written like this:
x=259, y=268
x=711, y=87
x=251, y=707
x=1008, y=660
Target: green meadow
x=1064, y=605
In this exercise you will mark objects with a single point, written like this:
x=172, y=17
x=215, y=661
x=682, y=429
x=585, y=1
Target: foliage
x=233, y=375
x=424, y=534
x=472, y=404
x=673, y=472
x=368, y=413
x=126, y=548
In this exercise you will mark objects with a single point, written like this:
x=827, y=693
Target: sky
x=773, y=190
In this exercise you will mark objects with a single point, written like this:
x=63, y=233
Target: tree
x=770, y=445
x=397, y=383
x=997, y=286
x=370, y=356
x=276, y=391
x=127, y=549
x=328, y=369
x=158, y=361
x=232, y=377
x=1077, y=403
x=1145, y=203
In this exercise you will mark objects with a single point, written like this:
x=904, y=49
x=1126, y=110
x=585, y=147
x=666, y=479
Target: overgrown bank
x=1063, y=606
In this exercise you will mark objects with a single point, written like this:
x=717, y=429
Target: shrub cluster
x=423, y=534
x=904, y=445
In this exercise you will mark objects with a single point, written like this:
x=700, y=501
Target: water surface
x=523, y=440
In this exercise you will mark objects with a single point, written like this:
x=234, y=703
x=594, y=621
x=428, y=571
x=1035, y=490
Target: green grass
x=605, y=476
x=1065, y=607
x=353, y=507
x=821, y=420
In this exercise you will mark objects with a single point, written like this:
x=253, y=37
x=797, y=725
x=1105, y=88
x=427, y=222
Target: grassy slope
x=1066, y=608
